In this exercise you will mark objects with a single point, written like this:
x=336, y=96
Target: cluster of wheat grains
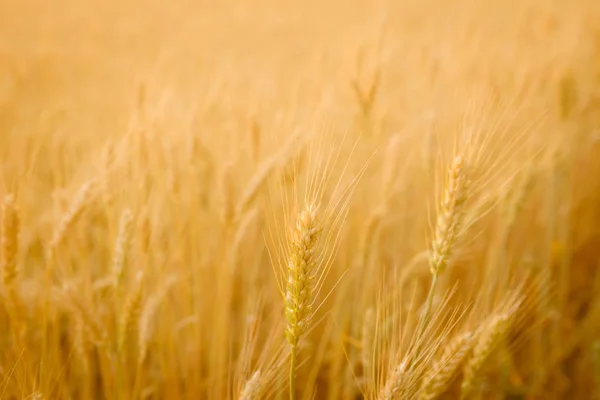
x=307, y=200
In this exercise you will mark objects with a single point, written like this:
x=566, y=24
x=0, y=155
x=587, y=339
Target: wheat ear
x=131, y=313
x=10, y=241
x=439, y=377
x=447, y=230
x=122, y=246
x=450, y=217
x=251, y=390
x=395, y=383
x=489, y=339
x=147, y=315
x=299, y=287
x=368, y=341
x=69, y=218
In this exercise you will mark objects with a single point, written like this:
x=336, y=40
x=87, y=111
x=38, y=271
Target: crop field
x=369, y=199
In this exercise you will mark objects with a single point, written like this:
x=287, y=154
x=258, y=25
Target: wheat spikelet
x=10, y=241
x=131, y=312
x=122, y=246
x=251, y=390
x=489, y=339
x=439, y=377
x=449, y=221
x=395, y=383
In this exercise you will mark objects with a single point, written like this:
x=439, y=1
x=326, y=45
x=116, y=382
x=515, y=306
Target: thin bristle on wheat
x=10, y=241
x=251, y=390
x=439, y=377
x=301, y=267
x=395, y=383
x=450, y=217
x=492, y=334
x=122, y=245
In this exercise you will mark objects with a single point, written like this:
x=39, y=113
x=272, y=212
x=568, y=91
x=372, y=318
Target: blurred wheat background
x=305, y=200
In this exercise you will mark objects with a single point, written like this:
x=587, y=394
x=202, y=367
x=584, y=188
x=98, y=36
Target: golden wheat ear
x=122, y=247
x=131, y=313
x=439, y=377
x=251, y=390
x=10, y=241
x=300, y=282
x=492, y=334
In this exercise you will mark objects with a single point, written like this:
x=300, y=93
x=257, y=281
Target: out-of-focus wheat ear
x=131, y=313
x=299, y=286
x=262, y=174
x=439, y=376
x=10, y=241
x=83, y=314
x=80, y=344
x=368, y=343
x=450, y=216
x=147, y=315
x=596, y=361
x=396, y=382
x=251, y=390
x=69, y=217
x=122, y=247
x=488, y=340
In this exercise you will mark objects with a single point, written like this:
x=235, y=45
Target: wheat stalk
x=299, y=287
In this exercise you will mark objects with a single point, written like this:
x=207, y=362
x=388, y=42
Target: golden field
x=305, y=200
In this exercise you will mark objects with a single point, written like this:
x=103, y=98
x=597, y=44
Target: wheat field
x=384, y=199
